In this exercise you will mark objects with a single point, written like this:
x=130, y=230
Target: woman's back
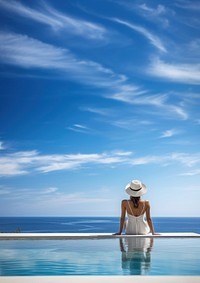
x=136, y=224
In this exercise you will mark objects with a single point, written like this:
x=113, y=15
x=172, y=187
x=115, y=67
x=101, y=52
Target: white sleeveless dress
x=136, y=225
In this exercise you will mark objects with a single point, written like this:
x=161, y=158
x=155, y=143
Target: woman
x=136, y=209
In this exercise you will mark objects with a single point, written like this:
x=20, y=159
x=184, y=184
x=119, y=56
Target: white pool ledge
x=62, y=236
x=100, y=279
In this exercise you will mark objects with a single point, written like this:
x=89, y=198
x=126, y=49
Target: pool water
x=124, y=256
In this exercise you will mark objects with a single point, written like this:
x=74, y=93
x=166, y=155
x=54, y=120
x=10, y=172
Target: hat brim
x=135, y=193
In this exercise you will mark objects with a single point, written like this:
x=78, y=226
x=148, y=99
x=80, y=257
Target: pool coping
x=100, y=279
x=79, y=236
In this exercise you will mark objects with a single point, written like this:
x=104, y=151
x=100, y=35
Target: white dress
x=136, y=225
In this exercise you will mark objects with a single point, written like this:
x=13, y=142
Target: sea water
x=92, y=224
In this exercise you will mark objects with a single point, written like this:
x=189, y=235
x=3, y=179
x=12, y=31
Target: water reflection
x=136, y=255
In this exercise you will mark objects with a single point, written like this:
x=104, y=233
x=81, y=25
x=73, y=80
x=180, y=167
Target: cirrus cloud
x=154, y=39
x=182, y=73
x=28, y=162
x=56, y=20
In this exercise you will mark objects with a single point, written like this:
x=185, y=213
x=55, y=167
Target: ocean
x=92, y=224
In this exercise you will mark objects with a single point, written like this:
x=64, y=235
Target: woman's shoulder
x=125, y=201
x=146, y=202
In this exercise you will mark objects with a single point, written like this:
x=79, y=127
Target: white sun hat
x=135, y=188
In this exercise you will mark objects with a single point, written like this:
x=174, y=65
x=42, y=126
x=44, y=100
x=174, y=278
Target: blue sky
x=94, y=94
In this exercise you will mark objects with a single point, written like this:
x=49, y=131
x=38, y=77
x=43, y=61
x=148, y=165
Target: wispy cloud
x=183, y=73
x=20, y=163
x=111, y=117
x=157, y=14
x=191, y=5
x=130, y=124
x=56, y=20
x=159, y=10
x=99, y=111
x=194, y=46
x=169, y=133
x=11, y=169
x=185, y=159
x=191, y=173
x=179, y=111
x=16, y=163
x=26, y=52
x=139, y=99
x=123, y=153
x=154, y=40
x=137, y=96
x=79, y=128
x=2, y=145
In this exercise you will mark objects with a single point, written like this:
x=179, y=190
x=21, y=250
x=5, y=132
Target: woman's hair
x=135, y=201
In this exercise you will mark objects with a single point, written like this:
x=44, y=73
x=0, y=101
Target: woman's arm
x=148, y=216
x=122, y=218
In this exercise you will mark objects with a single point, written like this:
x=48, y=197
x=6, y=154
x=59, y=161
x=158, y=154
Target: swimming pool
x=118, y=256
